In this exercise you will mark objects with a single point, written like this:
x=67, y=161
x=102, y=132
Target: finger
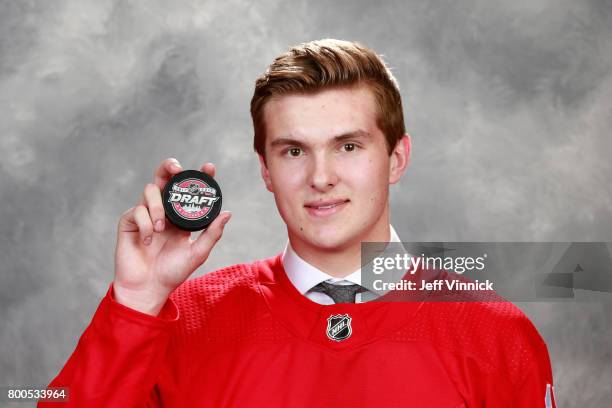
x=168, y=168
x=209, y=169
x=153, y=201
x=143, y=221
x=202, y=246
x=126, y=221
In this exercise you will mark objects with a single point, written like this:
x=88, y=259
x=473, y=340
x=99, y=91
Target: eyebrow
x=352, y=135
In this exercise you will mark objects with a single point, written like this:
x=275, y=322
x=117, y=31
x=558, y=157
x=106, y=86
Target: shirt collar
x=304, y=275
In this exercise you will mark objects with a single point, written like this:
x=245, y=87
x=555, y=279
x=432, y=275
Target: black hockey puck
x=192, y=200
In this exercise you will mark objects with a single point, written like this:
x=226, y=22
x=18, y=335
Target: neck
x=342, y=260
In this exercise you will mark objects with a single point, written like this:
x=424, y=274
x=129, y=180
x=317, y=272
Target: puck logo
x=339, y=327
x=192, y=199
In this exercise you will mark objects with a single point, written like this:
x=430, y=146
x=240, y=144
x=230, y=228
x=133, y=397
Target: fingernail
x=159, y=225
x=147, y=240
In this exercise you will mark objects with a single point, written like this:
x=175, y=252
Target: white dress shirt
x=305, y=276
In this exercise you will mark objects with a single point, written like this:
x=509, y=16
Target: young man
x=296, y=329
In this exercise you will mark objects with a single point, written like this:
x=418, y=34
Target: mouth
x=325, y=208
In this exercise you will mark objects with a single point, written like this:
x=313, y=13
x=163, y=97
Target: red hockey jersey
x=243, y=336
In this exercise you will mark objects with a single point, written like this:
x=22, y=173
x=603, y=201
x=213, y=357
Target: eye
x=349, y=147
x=294, y=152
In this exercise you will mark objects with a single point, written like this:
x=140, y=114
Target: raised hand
x=152, y=256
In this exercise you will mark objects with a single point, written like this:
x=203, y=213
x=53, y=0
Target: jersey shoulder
x=484, y=328
x=216, y=284
x=220, y=300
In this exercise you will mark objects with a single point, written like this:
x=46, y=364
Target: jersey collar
x=304, y=275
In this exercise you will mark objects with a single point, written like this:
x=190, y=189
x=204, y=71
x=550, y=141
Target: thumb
x=202, y=246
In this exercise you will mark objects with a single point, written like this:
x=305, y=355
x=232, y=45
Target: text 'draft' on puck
x=192, y=200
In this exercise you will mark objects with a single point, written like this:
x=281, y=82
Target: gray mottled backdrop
x=508, y=102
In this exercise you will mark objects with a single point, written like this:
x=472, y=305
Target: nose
x=323, y=174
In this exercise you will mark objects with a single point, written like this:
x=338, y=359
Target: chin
x=327, y=240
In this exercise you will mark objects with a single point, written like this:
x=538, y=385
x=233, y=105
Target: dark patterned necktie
x=339, y=293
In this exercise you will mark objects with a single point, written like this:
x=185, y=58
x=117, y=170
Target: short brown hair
x=316, y=65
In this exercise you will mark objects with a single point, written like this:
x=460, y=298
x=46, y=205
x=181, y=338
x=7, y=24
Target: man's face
x=328, y=166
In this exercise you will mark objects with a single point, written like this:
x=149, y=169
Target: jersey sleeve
x=537, y=389
x=118, y=358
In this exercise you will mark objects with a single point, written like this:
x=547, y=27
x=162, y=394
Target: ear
x=399, y=159
x=265, y=174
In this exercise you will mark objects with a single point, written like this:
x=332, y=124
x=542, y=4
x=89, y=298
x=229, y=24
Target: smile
x=328, y=206
x=325, y=208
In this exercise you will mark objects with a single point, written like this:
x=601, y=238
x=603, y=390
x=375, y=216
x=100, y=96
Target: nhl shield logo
x=339, y=327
